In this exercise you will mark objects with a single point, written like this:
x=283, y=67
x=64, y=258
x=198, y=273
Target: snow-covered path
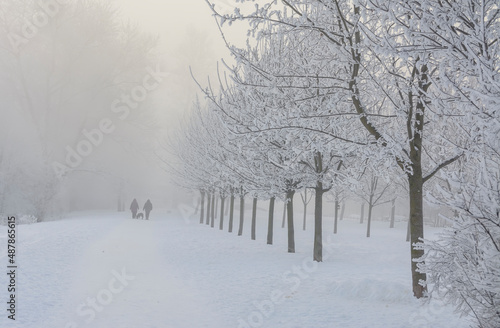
x=105, y=270
x=147, y=290
x=102, y=271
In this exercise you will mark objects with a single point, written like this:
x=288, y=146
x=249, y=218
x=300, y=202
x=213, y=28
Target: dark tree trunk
x=393, y=212
x=335, y=221
x=416, y=184
x=202, y=212
x=291, y=232
x=370, y=208
x=408, y=231
x=318, y=223
x=216, y=205
x=416, y=227
x=231, y=213
x=254, y=217
x=207, y=221
x=270, y=222
x=221, y=223
x=227, y=209
x=362, y=212
x=305, y=219
x=212, y=215
x=373, y=189
x=242, y=213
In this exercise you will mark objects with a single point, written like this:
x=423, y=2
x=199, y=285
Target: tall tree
x=464, y=263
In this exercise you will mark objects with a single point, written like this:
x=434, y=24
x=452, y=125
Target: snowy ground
x=99, y=269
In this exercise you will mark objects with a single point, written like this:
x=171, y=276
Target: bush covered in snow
x=463, y=265
x=20, y=219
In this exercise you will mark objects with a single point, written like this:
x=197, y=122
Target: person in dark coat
x=134, y=207
x=147, y=208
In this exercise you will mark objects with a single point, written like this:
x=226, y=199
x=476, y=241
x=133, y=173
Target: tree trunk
x=318, y=223
x=221, y=223
x=270, y=222
x=304, y=220
x=254, y=217
x=227, y=209
x=202, y=212
x=291, y=232
x=212, y=215
x=231, y=213
x=284, y=216
x=416, y=227
x=408, y=230
x=370, y=208
x=393, y=212
x=207, y=221
x=336, y=216
x=216, y=204
x=342, y=211
x=242, y=213
x=373, y=189
x=362, y=212
x=416, y=184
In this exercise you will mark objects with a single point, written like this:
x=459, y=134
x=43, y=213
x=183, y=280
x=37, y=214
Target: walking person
x=134, y=207
x=147, y=208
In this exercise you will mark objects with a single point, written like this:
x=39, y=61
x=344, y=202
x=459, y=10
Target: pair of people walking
x=134, y=207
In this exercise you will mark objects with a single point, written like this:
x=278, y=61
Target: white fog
x=250, y=163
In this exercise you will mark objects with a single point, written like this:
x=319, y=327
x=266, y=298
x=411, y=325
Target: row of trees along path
x=335, y=95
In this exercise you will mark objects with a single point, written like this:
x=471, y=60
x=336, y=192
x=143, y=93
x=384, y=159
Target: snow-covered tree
x=378, y=185
x=464, y=263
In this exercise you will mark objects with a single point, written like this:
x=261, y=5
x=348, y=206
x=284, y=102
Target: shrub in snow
x=464, y=268
x=463, y=265
x=27, y=219
x=20, y=219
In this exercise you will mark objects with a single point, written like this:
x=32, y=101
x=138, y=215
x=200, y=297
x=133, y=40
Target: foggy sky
x=175, y=22
x=187, y=37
